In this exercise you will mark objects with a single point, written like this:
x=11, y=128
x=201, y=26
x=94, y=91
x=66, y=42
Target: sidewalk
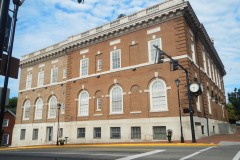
x=217, y=139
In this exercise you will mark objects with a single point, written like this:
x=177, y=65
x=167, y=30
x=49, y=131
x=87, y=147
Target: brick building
x=109, y=88
x=8, y=124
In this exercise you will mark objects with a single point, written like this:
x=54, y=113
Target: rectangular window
x=64, y=73
x=99, y=64
x=29, y=81
x=193, y=52
x=5, y=123
x=22, y=134
x=62, y=108
x=198, y=104
x=115, y=132
x=136, y=132
x=5, y=139
x=60, y=134
x=81, y=133
x=54, y=75
x=116, y=59
x=152, y=50
x=159, y=132
x=40, y=78
x=209, y=69
x=84, y=67
x=97, y=132
x=202, y=127
x=204, y=61
x=99, y=103
x=35, y=134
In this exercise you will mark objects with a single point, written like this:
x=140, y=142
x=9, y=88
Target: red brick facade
x=179, y=34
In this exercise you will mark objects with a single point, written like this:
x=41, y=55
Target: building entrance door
x=49, y=134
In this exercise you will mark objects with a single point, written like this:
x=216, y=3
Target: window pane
x=81, y=133
x=40, y=78
x=52, y=107
x=99, y=65
x=99, y=103
x=153, y=50
x=35, y=134
x=117, y=100
x=159, y=132
x=84, y=67
x=29, y=81
x=26, y=110
x=22, y=134
x=115, y=133
x=136, y=132
x=158, y=96
x=5, y=123
x=83, y=104
x=54, y=75
x=39, y=107
x=97, y=132
x=115, y=59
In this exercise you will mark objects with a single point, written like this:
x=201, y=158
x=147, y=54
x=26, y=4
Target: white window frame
x=64, y=73
x=22, y=134
x=209, y=103
x=40, y=78
x=99, y=64
x=198, y=104
x=29, y=81
x=204, y=61
x=52, y=106
x=38, y=108
x=83, y=104
x=84, y=69
x=160, y=108
x=111, y=100
x=35, y=134
x=193, y=52
x=151, y=49
x=117, y=51
x=99, y=104
x=54, y=78
x=27, y=105
x=7, y=139
x=5, y=123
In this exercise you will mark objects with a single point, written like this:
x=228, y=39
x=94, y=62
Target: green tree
x=12, y=103
x=234, y=100
x=231, y=114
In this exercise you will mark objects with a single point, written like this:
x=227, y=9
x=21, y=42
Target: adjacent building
x=8, y=124
x=110, y=89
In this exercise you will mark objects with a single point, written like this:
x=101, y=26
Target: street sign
x=14, y=66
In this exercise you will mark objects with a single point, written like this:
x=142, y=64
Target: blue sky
x=42, y=23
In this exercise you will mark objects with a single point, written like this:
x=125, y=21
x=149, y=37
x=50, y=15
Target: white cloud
x=42, y=23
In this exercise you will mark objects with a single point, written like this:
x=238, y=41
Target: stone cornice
x=150, y=16
x=201, y=32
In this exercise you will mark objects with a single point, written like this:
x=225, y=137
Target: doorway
x=49, y=134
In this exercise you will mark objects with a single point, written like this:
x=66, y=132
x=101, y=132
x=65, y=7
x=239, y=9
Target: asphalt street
x=227, y=152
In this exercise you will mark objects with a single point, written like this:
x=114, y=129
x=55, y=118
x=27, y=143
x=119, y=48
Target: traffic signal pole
x=188, y=91
x=4, y=7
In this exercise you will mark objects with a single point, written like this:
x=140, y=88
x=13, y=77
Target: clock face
x=194, y=87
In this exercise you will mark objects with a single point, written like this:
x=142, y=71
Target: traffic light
x=174, y=65
x=159, y=56
x=80, y=1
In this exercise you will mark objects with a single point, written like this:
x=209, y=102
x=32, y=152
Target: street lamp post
x=177, y=81
x=58, y=106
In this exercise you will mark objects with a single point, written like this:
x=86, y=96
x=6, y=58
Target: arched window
x=116, y=100
x=52, y=110
x=158, y=96
x=39, y=108
x=83, y=103
x=26, y=110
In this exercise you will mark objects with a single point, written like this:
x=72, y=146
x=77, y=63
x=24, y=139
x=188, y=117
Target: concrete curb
x=113, y=145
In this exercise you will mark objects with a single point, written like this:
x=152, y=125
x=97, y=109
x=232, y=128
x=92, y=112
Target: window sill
x=116, y=113
x=82, y=115
x=158, y=111
x=26, y=119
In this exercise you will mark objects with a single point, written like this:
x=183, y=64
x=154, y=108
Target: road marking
x=140, y=155
x=237, y=156
x=194, y=154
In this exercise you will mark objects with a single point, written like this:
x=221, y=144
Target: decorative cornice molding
x=157, y=14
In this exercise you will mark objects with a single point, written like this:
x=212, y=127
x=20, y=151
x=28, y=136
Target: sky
x=42, y=23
